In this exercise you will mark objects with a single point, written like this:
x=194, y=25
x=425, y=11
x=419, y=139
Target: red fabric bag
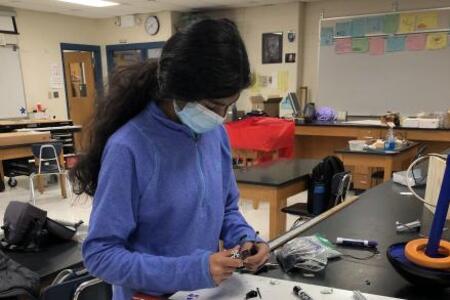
x=263, y=134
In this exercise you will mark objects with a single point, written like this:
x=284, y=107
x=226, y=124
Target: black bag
x=16, y=280
x=320, y=198
x=27, y=228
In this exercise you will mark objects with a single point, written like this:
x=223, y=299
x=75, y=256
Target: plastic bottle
x=389, y=144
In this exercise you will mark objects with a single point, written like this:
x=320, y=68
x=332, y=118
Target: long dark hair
x=206, y=60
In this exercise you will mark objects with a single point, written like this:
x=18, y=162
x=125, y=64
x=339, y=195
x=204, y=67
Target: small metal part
x=259, y=293
x=300, y=293
x=358, y=296
x=406, y=193
x=309, y=275
x=408, y=227
x=327, y=291
x=235, y=254
x=251, y=294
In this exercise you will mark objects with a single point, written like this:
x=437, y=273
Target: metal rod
x=440, y=214
x=387, y=13
x=293, y=233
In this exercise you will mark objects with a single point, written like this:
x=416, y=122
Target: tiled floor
x=59, y=208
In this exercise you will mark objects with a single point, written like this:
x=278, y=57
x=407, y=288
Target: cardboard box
x=257, y=103
x=19, y=138
x=272, y=106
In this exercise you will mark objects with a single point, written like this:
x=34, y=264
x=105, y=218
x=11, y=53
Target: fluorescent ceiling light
x=95, y=3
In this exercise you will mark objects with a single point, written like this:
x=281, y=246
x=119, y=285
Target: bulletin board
x=12, y=95
x=396, y=61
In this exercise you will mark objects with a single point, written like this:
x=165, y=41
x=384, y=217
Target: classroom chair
x=47, y=162
x=77, y=285
x=340, y=186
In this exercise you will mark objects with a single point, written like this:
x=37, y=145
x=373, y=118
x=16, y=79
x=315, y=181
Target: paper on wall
x=326, y=36
x=376, y=46
x=436, y=41
x=255, y=86
x=374, y=24
x=427, y=21
x=360, y=45
x=395, y=43
x=390, y=23
x=56, y=78
x=343, y=46
x=283, y=81
x=343, y=28
x=359, y=27
x=274, y=81
x=407, y=23
x=415, y=42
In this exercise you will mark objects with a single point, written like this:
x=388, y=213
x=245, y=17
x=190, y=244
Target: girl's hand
x=222, y=266
x=253, y=263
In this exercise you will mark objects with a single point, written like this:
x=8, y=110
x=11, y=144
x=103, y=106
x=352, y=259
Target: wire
x=373, y=253
x=409, y=171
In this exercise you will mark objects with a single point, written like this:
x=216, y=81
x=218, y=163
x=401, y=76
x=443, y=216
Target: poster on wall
x=272, y=48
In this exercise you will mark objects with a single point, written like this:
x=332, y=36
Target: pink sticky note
x=376, y=46
x=416, y=42
x=343, y=46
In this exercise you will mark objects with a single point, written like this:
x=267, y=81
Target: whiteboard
x=238, y=285
x=12, y=95
x=362, y=84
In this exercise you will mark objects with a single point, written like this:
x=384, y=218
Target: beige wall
x=41, y=35
x=334, y=8
x=252, y=23
x=110, y=34
x=39, y=42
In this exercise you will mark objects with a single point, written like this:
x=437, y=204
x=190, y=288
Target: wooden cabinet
x=369, y=133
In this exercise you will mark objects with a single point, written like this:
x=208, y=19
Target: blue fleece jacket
x=165, y=197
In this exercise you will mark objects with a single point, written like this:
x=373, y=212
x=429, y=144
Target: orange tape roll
x=415, y=252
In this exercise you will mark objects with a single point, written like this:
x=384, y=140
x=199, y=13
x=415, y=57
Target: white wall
x=334, y=8
x=252, y=23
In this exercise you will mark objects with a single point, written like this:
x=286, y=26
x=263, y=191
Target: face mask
x=197, y=117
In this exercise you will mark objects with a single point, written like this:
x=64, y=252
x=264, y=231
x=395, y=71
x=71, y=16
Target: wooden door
x=80, y=87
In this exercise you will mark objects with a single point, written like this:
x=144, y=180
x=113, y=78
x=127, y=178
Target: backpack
x=16, y=280
x=27, y=228
x=320, y=197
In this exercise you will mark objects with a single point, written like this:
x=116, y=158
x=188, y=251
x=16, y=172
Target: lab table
x=372, y=216
x=275, y=182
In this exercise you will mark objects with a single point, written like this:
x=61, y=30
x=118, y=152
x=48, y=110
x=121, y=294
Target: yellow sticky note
x=437, y=41
x=255, y=87
x=427, y=21
x=283, y=81
x=407, y=23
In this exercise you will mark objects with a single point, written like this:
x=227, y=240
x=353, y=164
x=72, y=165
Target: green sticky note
x=390, y=23
x=360, y=45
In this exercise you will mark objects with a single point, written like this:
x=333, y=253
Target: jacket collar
x=159, y=116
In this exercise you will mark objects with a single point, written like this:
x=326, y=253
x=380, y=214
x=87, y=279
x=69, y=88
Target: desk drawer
x=361, y=182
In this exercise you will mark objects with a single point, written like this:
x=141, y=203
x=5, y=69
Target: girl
x=160, y=170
